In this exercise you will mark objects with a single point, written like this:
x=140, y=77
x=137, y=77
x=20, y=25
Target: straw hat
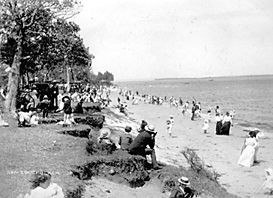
x=150, y=128
x=105, y=132
x=184, y=181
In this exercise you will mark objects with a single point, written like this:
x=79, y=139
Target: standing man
x=193, y=110
x=55, y=95
x=144, y=139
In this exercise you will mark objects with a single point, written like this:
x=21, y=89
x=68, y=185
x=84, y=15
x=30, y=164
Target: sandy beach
x=220, y=152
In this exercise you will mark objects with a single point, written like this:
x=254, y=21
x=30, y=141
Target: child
x=126, y=139
x=170, y=125
x=67, y=111
x=206, y=126
x=209, y=114
x=44, y=106
x=268, y=184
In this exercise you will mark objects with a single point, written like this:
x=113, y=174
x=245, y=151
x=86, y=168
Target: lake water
x=251, y=96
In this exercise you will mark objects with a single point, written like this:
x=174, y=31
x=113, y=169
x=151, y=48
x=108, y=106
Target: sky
x=147, y=39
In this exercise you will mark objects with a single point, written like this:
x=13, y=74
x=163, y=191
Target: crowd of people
x=143, y=144
x=223, y=123
x=57, y=100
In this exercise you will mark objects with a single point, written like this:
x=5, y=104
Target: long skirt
x=225, y=128
x=218, y=127
x=247, y=156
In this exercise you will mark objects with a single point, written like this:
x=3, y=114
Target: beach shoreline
x=219, y=152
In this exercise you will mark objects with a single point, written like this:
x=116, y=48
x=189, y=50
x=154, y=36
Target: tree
x=99, y=76
x=108, y=76
x=16, y=18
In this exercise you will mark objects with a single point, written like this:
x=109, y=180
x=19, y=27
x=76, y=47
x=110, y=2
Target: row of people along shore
x=223, y=121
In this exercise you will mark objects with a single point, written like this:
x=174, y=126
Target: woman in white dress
x=248, y=150
x=43, y=188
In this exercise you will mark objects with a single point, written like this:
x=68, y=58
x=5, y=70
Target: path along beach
x=221, y=152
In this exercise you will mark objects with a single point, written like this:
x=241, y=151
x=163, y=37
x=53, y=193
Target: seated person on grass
x=126, y=139
x=104, y=141
x=42, y=187
x=27, y=119
x=183, y=189
x=143, y=139
x=78, y=107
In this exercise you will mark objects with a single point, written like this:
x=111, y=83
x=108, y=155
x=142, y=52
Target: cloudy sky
x=145, y=39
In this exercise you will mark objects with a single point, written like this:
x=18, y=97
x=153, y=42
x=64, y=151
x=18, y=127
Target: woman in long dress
x=248, y=150
x=218, y=119
x=227, y=122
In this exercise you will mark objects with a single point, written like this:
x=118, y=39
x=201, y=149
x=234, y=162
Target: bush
x=129, y=168
x=76, y=193
x=94, y=121
x=198, y=165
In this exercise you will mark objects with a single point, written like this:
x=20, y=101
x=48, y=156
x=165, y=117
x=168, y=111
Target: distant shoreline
x=210, y=78
x=218, y=77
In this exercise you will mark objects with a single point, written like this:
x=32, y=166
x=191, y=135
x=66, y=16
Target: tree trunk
x=14, y=77
x=67, y=80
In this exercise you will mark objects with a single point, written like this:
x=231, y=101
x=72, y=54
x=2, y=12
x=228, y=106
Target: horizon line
x=208, y=77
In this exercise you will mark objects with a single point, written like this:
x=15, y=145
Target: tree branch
x=32, y=19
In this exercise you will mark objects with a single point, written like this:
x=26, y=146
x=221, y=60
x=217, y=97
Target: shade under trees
x=24, y=23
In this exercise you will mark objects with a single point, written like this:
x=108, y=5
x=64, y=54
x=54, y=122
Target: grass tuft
x=198, y=165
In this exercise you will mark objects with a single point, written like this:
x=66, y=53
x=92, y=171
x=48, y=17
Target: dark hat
x=128, y=129
x=65, y=97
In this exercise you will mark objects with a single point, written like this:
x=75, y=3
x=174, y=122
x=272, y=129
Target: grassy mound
x=120, y=166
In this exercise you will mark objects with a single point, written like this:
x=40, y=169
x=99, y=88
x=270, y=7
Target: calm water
x=251, y=97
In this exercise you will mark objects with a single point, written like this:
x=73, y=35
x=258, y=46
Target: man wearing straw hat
x=182, y=190
x=139, y=145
